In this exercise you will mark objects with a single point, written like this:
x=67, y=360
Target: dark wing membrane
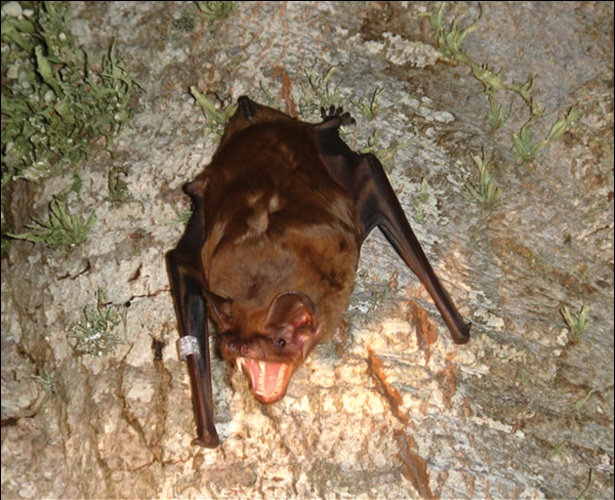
x=377, y=205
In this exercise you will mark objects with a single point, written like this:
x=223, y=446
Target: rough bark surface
x=391, y=408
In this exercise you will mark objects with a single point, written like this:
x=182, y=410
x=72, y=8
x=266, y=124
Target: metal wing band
x=188, y=345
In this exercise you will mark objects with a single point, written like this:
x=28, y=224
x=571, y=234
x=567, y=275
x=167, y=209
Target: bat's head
x=269, y=351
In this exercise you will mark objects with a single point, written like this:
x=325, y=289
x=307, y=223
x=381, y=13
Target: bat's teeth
x=262, y=370
x=279, y=383
x=267, y=379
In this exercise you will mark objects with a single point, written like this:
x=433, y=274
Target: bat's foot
x=340, y=116
x=461, y=335
x=206, y=440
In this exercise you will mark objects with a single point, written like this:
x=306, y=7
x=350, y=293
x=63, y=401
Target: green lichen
x=367, y=104
x=524, y=146
x=418, y=202
x=216, y=10
x=62, y=230
x=317, y=91
x=580, y=403
x=449, y=39
x=55, y=99
x=576, y=322
x=385, y=153
x=185, y=24
x=215, y=119
x=556, y=450
x=119, y=189
x=47, y=382
x=486, y=194
x=96, y=334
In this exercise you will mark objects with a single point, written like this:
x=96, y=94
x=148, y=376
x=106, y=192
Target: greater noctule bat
x=272, y=247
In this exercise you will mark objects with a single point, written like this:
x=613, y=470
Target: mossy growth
x=576, y=322
x=55, y=99
x=96, y=334
x=449, y=39
x=62, y=231
x=215, y=119
x=216, y=10
x=487, y=194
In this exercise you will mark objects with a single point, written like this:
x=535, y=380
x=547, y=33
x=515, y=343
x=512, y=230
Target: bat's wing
x=377, y=205
x=187, y=290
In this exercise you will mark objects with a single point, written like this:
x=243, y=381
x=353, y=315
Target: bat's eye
x=281, y=343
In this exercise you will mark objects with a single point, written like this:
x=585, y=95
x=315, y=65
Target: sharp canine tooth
x=239, y=363
x=261, y=366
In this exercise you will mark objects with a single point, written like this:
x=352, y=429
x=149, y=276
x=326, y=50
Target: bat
x=271, y=250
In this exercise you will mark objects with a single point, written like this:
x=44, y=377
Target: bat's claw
x=338, y=114
x=247, y=107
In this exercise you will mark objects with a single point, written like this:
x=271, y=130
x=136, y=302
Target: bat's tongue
x=268, y=380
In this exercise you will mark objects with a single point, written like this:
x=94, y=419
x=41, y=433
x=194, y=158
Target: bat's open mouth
x=268, y=379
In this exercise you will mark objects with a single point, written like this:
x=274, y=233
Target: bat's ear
x=221, y=309
x=291, y=311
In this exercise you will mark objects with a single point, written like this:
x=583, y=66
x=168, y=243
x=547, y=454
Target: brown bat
x=272, y=248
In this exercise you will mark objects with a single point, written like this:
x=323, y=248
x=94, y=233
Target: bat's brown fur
x=273, y=246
